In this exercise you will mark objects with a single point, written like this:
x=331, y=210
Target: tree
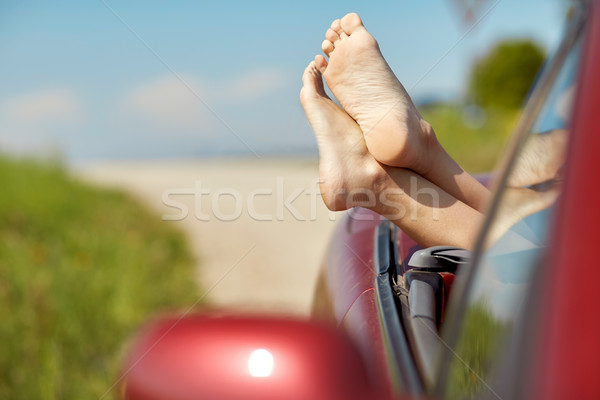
x=503, y=76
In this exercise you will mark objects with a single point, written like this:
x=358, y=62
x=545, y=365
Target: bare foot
x=348, y=173
x=364, y=84
x=350, y=176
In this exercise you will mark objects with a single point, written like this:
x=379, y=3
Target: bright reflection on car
x=260, y=363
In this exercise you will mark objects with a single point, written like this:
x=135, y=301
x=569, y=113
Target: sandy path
x=265, y=259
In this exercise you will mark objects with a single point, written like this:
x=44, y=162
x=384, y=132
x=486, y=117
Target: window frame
x=457, y=305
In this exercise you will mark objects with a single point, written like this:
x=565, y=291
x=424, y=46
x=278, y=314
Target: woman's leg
x=350, y=176
x=393, y=130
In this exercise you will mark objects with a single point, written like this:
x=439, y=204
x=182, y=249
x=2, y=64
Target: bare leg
x=394, y=131
x=350, y=176
x=541, y=159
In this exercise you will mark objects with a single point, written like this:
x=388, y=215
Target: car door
x=480, y=346
x=414, y=343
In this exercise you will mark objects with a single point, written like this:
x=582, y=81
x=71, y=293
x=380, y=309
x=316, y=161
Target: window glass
x=514, y=243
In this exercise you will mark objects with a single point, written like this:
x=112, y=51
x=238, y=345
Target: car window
x=514, y=242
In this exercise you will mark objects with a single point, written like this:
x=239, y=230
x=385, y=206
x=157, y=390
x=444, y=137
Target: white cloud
x=166, y=99
x=168, y=106
x=31, y=121
x=256, y=83
x=54, y=105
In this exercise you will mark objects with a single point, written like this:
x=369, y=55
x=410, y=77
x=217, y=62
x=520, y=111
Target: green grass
x=80, y=269
x=475, y=149
x=479, y=346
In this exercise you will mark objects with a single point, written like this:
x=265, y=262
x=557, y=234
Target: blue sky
x=215, y=78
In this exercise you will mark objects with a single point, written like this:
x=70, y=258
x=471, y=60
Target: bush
x=502, y=78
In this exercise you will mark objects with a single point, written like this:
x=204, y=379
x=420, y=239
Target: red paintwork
x=366, y=335
x=567, y=359
x=448, y=281
x=200, y=357
x=349, y=260
x=349, y=288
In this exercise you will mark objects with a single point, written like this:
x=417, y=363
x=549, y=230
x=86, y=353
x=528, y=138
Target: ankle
x=433, y=151
x=358, y=189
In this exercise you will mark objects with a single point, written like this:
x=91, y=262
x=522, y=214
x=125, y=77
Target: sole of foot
x=364, y=84
x=348, y=173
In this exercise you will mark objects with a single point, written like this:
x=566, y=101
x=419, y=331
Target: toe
x=327, y=47
x=321, y=63
x=351, y=23
x=332, y=36
x=309, y=74
x=336, y=26
x=312, y=82
x=308, y=86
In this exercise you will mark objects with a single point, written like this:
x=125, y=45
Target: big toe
x=351, y=23
x=312, y=83
x=320, y=62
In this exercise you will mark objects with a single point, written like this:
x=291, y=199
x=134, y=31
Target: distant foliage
x=501, y=79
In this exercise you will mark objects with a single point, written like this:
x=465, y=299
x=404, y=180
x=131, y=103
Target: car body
x=516, y=318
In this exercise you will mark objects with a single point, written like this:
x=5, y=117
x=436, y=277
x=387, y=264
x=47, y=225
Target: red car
x=520, y=321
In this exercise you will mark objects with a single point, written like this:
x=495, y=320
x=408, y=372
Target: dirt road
x=258, y=228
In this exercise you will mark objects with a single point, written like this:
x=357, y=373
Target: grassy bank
x=476, y=147
x=80, y=269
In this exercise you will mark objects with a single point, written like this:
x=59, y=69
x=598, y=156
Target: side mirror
x=243, y=358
